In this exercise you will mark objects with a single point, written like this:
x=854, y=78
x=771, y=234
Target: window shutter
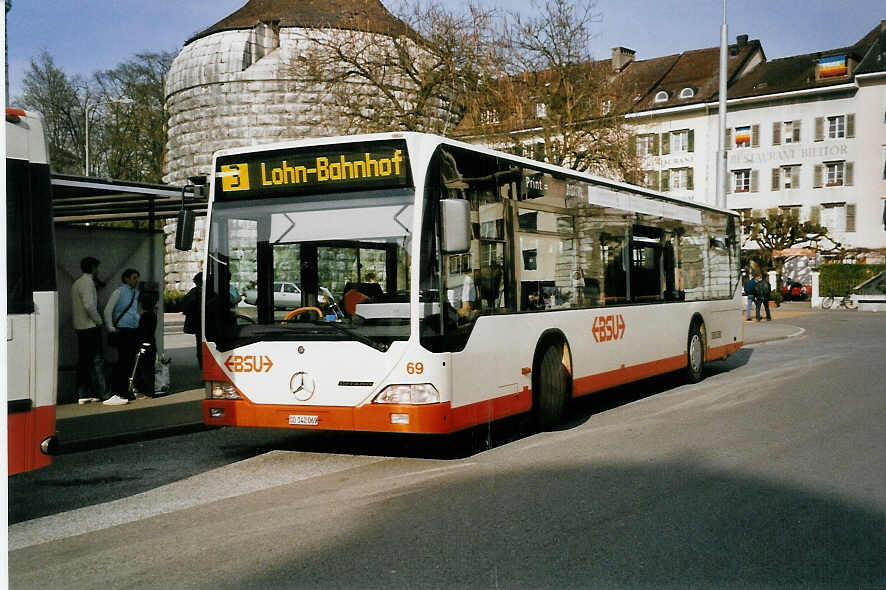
x=815, y=214
x=665, y=180
x=730, y=182
x=816, y=177
x=847, y=174
x=656, y=176
x=776, y=178
x=819, y=129
x=796, y=131
x=729, y=138
x=850, y=216
x=755, y=181
x=692, y=140
x=755, y=136
x=632, y=148
x=850, y=125
x=654, y=144
x=689, y=184
x=776, y=133
x=795, y=177
x=665, y=144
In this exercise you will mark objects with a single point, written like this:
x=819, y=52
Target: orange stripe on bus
x=600, y=381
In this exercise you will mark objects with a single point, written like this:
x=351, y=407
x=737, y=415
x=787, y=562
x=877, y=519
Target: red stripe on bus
x=600, y=381
x=26, y=430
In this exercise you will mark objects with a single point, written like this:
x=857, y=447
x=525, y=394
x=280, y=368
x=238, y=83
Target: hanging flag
x=828, y=67
x=743, y=136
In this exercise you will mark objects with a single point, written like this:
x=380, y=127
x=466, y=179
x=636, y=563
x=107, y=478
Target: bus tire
x=553, y=386
x=695, y=351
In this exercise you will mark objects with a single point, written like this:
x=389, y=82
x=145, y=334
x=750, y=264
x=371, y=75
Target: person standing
x=147, y=338
x=762, y=291
x=87, y=322
x=749, y=291
x=191, y=309
x=121, y=318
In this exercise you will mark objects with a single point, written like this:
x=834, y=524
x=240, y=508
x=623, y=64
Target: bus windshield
x=329, y=267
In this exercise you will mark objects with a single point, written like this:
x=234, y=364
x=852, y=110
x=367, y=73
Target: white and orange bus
x=443, y=285
x=31, y=295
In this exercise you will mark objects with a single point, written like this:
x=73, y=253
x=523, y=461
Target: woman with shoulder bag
x=121, y=318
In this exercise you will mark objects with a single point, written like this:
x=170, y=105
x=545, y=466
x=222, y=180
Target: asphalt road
x=769, y=473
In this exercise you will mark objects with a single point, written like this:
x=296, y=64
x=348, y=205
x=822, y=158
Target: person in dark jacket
x=762, y=292
x=749, y=291
x=147, y=328
x=191, y=310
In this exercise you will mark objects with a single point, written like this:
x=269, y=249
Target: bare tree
x=133, y=139
x=416, y=75
x=555, y=97
x=49, y=90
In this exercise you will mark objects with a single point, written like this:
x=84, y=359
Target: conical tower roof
x=364, y=15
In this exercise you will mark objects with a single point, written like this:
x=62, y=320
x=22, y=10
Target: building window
x=786, y=178
x=645, y=145
x=679, y=178
x=541, y=110
x=687, y=93
x=662, y=96
x=741, y=181
x=743, y=137
x=834, y=173
x=837, y=127
x=680, y=141
x=606, y=106
x=650, y=179
x=833, y=216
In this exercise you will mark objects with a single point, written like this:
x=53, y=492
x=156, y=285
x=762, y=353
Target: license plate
x=304, y=420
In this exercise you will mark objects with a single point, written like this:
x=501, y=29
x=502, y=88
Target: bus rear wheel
x=695, y=352
x=552, y=385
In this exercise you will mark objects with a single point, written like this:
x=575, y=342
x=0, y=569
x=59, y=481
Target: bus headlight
x=416, y=393
x=222, y=390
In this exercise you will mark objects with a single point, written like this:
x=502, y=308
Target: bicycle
x=832, y=302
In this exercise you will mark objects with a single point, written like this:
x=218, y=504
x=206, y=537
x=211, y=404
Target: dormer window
x=687, y=93
x=661, y=96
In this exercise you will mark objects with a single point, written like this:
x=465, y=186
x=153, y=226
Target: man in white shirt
x=463, y=298
x=87, y=322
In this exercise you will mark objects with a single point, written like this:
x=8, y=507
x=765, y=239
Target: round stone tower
x=230, y=86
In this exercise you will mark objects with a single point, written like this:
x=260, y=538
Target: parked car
x=286, y=295
x=794, y=291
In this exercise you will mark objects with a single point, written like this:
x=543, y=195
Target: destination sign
x=313, y=170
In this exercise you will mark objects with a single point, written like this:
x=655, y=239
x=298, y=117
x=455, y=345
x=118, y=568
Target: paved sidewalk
x=97, y=424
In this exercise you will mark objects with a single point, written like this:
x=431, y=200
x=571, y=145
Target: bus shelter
x=93, y=217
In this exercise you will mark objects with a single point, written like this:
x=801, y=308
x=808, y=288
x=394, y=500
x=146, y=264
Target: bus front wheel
x=695, y=351
x=552, y=385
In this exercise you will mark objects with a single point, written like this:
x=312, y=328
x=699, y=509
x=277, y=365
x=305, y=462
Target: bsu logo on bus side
x=608, y=327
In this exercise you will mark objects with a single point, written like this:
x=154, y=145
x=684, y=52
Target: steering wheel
x=297, y=312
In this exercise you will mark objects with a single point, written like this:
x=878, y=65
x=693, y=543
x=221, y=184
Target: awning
x=81, y=199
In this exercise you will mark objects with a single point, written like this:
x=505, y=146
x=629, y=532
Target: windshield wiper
x=360, y=337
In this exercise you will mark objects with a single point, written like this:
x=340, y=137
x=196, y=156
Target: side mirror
x=456, y=218
x=184, y=231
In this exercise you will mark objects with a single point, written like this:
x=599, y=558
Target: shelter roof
x=82, y=199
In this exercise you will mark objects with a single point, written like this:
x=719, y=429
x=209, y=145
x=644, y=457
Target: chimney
x=740, y=42
x=621, y=57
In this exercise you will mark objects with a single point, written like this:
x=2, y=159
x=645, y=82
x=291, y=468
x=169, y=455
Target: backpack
x=761, y=290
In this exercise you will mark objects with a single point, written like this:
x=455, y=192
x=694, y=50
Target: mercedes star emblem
x=302, y=386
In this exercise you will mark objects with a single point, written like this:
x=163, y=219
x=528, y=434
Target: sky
x=86, y=36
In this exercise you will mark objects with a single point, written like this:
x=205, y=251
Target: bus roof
x=25, y=139
x=432, y=141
